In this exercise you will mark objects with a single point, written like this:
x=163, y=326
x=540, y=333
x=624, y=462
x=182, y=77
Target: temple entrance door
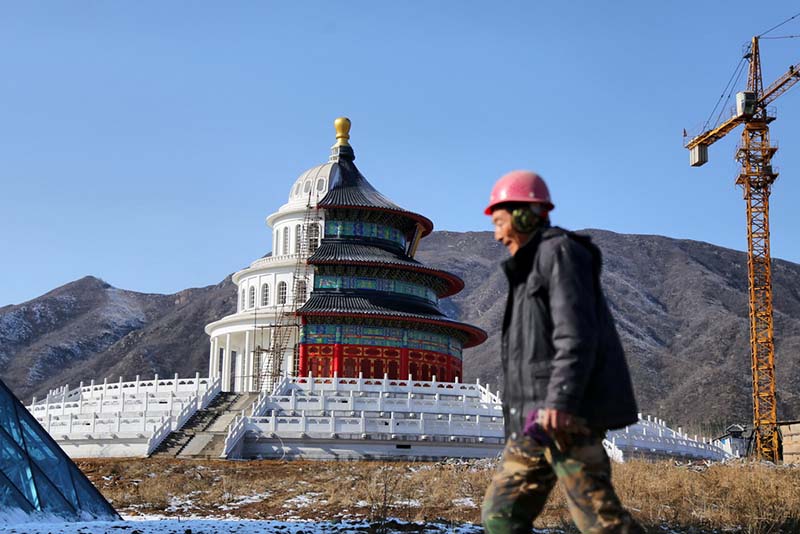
x=425, y=374
x=320, y=366
x=349, y=368
x=233, y=371
x=394, y=370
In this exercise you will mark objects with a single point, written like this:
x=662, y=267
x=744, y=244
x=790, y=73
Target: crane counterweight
x=698, y=155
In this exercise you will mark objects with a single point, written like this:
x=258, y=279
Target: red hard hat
x=519, y=186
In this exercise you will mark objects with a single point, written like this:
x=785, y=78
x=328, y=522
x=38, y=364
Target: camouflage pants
x=528, y=472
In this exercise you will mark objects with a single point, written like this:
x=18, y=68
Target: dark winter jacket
x=560, y=347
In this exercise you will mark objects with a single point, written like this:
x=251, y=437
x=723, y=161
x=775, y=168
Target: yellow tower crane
x=756, y=178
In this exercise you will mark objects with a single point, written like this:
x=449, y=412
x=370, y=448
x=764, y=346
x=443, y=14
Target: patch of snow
x=162, y=525
x=466, y=502
x=122, y=311
x=245, y=499
x=13, y=326
x=13, y=517
x=17, y=325
x=53, y=357
x=181, y=504
x=301, y=501
x=118, y=316
x=44, y=312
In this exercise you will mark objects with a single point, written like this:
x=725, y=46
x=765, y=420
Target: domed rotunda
x=341, y=294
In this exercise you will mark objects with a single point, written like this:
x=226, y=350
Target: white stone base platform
x=357, y=418
x=361, y=418
x=320, y=418
x=358, y=449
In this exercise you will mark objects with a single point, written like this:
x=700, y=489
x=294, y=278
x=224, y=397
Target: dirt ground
x=745, y=497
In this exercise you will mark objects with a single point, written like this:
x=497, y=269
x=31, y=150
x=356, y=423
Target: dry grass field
x=741, y=497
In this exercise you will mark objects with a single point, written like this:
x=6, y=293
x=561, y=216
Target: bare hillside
x=681, y=308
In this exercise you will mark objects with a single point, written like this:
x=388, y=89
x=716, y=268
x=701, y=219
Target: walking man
x=566, y=378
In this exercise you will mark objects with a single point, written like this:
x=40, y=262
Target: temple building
x=341, y=293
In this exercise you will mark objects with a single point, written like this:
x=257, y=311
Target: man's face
x=505, y=233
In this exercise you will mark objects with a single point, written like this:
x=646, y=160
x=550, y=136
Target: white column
x=211, y=358
x=288, y=361
x=226, y=364
x=215, y=359
x=238, y=371
x=247, y=379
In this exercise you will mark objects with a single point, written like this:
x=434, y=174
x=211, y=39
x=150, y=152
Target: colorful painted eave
x=333, y=253
x=321, y=305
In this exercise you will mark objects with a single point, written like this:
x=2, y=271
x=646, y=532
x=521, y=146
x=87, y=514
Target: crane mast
x=756, y=178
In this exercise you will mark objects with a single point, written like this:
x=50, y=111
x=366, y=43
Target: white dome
x=313, y=181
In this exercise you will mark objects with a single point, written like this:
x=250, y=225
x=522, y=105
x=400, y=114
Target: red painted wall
x=374, y=362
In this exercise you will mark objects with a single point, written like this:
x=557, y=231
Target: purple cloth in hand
x=535, y=431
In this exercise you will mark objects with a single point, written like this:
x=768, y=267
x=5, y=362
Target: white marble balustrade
x=315, y=384
x=418, y=428
x=652, y=437
x=121, y=418
x=175, y=384
x=352, y=402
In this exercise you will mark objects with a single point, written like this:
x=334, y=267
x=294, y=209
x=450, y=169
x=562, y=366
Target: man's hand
x=553, y=420
x=561, y=426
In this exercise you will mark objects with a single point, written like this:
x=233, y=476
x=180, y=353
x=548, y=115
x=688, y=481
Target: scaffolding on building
x=285, y=328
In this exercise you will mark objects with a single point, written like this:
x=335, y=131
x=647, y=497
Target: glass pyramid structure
x=36, y=476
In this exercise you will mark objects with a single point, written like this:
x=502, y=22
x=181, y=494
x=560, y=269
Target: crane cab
x=745, y=103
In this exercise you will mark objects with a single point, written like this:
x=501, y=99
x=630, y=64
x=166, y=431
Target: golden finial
x=342, y=125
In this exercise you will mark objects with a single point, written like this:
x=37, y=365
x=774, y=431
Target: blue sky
x=145, y=142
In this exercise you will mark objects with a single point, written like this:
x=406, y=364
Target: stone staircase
x=203, y=435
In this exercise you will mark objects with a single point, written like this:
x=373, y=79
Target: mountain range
x=681, y=308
